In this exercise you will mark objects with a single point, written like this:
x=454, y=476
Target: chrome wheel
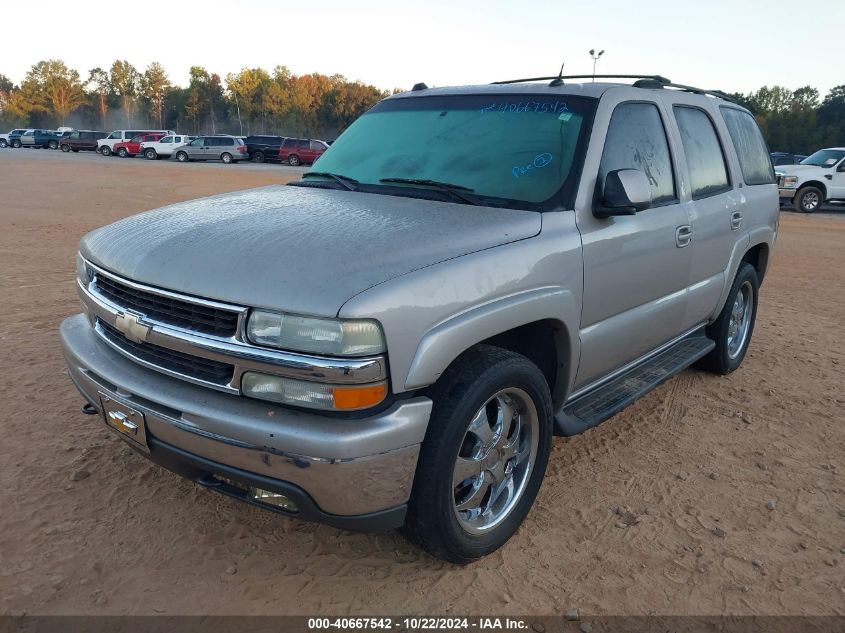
x=495, y=460
x=810, y=201
x=740, y=319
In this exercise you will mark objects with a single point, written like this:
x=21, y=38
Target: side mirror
x=624, y=192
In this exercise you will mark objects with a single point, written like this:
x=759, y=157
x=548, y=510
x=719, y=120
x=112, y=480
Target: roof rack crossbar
x=659, y=79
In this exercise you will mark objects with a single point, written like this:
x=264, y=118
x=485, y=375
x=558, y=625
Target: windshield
x=519, y=150
x=824, y=158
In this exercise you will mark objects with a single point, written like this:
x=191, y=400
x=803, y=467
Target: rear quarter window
x=754, y=157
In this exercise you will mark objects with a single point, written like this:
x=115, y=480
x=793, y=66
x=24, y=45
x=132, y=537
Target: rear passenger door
x=714, y=204
x=636, y=269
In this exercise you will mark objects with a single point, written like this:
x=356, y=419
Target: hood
x=798, y=170
x=299, y=249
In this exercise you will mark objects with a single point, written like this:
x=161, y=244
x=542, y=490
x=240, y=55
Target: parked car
x=164, y=146
x=4, y=140
x=38, y=138
x=81, y=140
x=786, y=158
x=229, y=149
x=525, y=256
x=263, y=147
x=105, y=146
x=15, y=136
x=301, y=150
x=819, y=178
x=132, y=147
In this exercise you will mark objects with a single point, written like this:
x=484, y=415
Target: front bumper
x=787, y=194
x=351, y=473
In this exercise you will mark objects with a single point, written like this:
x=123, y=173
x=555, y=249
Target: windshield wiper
x=346, y=181
x=448, y=187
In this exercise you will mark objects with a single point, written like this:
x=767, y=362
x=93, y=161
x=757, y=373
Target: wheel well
x=814, y=183
x=541, y=342
x=758, y=256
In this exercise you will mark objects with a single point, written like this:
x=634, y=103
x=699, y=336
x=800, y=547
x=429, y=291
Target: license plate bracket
x=125, y=420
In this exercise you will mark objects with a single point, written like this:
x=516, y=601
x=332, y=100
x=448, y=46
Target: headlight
x=84, y=273
x=790, y=182
x=335, y=337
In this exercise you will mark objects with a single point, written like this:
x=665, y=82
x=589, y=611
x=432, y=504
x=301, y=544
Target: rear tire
x=53, y=145
x=150, y=154
x=293, y=160
x=258, y=157
x=106, y=151
x=4, y=143
x=182, y=157
x=491, y=423
x=16, y=144
x=226, y=157
x=732, y=330
x=808, y=199
x=65, y=148
x=122, y=152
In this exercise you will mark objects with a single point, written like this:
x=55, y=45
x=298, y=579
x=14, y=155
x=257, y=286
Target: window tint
x=316, y=146
x=753, y=154
x=705, y=160
x=166, y=139
x=197, y=142
x=636, y=139
x=290, y=143
x=302, y=144
x=225, y=142
x=114, y=135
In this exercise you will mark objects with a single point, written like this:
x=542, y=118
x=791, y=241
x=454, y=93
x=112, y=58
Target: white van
x=105, y=145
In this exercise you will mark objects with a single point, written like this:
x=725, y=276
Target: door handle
x=736, y=220
x=683, y=235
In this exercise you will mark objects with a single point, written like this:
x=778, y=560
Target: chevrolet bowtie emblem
x=131, y=327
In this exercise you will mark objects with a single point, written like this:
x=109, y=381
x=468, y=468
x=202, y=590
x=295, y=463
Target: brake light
x=242, y=148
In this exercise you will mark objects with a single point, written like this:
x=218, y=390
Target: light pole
x=595, y=59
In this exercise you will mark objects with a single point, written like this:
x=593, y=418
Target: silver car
x=229, y=149
x=393, y=340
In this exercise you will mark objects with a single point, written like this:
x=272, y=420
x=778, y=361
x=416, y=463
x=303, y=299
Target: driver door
x=837, y=182
x=636, y=267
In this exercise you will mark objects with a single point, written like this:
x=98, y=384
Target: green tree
x=155, y=85
x=125, y=82
x=98, y=82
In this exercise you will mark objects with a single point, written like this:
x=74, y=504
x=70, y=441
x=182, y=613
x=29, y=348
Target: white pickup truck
x=817, y=179
x=165, y=146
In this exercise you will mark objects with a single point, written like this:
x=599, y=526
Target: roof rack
x=643, y=81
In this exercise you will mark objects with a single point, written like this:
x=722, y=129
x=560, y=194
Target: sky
x=731, y=45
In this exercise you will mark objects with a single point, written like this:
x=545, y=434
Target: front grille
x=191, y=366
x=183, y=314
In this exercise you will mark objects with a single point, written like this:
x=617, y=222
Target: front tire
x=4, y=142
x=53, y=145
x=484, y=455
x=732, y=330
x=258, y=157
x=65, y=148
x=808, y=199
x=293, y=160
x=150, y=154
x=106, y=151
x=16, y=144
x=122, y=152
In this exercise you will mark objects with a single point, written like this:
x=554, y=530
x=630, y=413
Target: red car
x=301, y=150
x=133, y=147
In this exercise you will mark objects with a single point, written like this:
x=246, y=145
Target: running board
x=597, y=405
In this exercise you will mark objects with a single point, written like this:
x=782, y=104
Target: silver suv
x=229, y=149
x=394, y=340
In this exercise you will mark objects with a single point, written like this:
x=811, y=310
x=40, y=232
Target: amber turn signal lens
x=348, y=398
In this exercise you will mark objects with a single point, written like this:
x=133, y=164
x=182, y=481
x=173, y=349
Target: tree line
x=798, y=121
x=252, y=101
x=257, y=101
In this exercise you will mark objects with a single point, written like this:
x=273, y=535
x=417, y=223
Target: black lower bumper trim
x=214, y=475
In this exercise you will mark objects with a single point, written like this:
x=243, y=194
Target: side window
x=227, y=141
x=197, y=142
x=705, y=159
x=114, y=135
x=316, y=146
x=636, y=139
x=302, y=144
x=166, y=139
x=754, y=158
x=290, y=143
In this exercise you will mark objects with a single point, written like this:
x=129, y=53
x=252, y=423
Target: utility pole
x=595, y=59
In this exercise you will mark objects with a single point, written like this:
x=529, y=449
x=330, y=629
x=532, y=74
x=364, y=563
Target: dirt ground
x=757, y=454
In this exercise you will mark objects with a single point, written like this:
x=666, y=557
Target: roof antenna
x=558, y=81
